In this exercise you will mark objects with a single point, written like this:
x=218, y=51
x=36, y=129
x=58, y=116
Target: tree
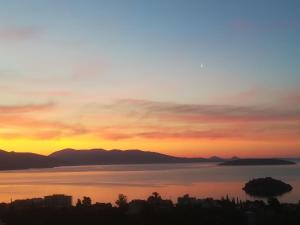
x=154, y=199
x=156, y=195
x=79, y=203
x=87, y=201
x=122, y=201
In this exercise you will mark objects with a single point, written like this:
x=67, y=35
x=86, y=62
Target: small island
x=266, y=187
x=256, y=162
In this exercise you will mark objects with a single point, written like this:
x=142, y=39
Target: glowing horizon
x=193, y=79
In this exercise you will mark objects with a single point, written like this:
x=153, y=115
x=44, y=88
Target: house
x=186, y=200
x=209, y=203
x=34, y=202
x=58, y=201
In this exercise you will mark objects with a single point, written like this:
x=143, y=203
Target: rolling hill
x=102, y=157
x=16, y=161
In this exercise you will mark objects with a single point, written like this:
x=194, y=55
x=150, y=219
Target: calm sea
x=104, y=183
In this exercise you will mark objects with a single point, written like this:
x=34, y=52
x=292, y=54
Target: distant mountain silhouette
x=14, y=160
x=72, y=157
x=101, y=156
x=256, y=162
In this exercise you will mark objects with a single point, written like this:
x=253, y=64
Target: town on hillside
x=60, y=209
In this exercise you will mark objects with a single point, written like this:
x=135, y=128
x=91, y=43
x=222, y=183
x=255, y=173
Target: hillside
x=72, y=157
x=101, y=156
x=15, y=161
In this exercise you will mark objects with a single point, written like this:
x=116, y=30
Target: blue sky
x=254, y=41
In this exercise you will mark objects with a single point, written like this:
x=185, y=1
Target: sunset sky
x=181, y=77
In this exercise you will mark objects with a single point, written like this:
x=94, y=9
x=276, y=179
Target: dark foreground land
x=153, y=211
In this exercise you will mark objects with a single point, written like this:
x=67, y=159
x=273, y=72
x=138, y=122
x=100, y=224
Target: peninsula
x=256, y=162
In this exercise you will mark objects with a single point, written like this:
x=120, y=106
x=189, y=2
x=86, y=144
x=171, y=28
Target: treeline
x=155, y=211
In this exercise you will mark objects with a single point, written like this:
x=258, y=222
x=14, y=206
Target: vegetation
x=266, y=187
x=122, y=201
x=155, y=211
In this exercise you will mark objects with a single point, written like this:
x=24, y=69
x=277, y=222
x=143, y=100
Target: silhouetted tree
x=87, y=201
x=233, y=201
x=79, y=203
x=122, y=201
x=207, y=211
x=155, y=199
x=227, y=198
x=156, y=196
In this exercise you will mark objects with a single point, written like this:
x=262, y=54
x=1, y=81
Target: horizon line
x=158, y=152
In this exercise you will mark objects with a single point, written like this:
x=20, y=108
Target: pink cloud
x=245, y=132
x=164, y=120
x=30, y=121
x=292, y=97
x=45, y=93
x=192, y=113
x=90, y=68
x=12, y=109
x=19, y=33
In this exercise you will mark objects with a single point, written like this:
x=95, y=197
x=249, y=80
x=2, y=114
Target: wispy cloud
x=19, y=33
x=164, y=120
x=151, y=120
x=37, y=129
x=31, y=121
x=48, y=93
x=192, y=113
x=292, y=97
x=266, y=132
x=88, y=71
x=7, y=109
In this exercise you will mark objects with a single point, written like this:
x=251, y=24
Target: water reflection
x=104, y=183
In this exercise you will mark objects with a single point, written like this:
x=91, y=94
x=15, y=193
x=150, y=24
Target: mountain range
x=72, y=157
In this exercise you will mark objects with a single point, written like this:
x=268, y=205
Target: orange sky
x=172, y=128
